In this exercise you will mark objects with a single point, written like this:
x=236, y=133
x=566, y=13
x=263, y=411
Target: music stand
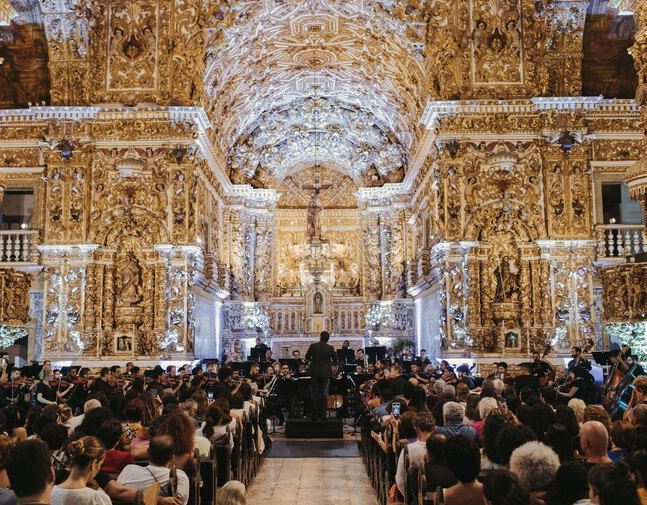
x=375, y=353
x=244, y=366
x=602, y=358
x=257, y=354
x=345, y=356
x=293, y=363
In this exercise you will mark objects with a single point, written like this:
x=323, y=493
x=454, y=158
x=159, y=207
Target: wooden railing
x=620, y=240
x=18, y=246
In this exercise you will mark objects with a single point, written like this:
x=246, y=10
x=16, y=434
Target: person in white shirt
x=424, y=425
x=160, y=454
x=86, y=457
x=76, y=421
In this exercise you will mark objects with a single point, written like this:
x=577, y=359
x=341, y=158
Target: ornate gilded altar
x=456, y=150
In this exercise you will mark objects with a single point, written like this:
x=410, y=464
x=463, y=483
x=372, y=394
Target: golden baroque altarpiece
x=444, y=148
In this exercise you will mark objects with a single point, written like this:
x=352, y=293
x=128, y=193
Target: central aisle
x=312, y=481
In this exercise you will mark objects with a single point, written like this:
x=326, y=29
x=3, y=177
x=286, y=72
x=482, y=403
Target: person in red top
x=110, y=434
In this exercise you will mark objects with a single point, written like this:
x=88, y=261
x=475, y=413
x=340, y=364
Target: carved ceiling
x=607, y=67
x=288, y=76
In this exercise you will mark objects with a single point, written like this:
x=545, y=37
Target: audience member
x=501, y=487
x=464, y=461
x=85, y=456
x=436, y=470
x=535, y=464
x=231, y=493
x=160, y=456
x=594, y=441
x=424, y=425
x=454, y=417
x=610, y=484
x=30, y=472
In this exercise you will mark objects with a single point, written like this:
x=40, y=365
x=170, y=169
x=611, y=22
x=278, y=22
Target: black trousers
x=319, y=390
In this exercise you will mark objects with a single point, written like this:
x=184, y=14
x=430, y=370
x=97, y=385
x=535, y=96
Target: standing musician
x=321, y=356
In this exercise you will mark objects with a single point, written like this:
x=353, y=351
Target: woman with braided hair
x=85, y=456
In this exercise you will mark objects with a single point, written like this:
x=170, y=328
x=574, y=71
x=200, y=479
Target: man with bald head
x=594, y=441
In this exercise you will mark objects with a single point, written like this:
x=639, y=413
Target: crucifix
x=315, y=207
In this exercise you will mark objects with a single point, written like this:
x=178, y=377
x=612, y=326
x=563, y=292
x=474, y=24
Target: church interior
x=182, y=177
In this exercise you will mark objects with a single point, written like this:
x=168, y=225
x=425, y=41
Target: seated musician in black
x=540, y=368
x=525, y=379
x=578, y=360
x=422, y=361
x=576, y=386
x=156, y=380
x=631, y=361
x=463, y=372
x=268, y=357
x=418, y=375
x=283, y=395
x=298, y=363
x=359, y=357
x=101, y=384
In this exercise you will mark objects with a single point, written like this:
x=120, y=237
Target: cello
x=619, y=397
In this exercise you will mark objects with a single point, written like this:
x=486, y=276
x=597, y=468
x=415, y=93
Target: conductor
x=321, y=356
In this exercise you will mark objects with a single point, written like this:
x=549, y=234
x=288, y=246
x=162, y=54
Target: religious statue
x=128, y=282
x=314, y=216
x=318, y=301
x=507, y=287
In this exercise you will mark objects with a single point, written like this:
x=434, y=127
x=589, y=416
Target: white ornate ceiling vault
x=298, y=82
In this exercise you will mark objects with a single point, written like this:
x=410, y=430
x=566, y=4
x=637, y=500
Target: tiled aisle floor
x=312, y=481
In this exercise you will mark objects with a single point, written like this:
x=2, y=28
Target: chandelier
x=7, y=13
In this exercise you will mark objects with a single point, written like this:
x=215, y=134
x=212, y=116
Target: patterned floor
x=312, y=481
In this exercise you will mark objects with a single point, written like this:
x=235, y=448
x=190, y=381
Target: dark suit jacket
x=321, y=357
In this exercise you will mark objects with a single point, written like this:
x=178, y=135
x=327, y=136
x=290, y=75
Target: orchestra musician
x=360, y=358
x=268, y=357
x=541, y=369
x=463, y=372
x=501, y=372
x=422, y=361
x=632, y=360
x=299, y=362
x=420, y=377
x=45, y=371
x=446, y=373
x=578, y=360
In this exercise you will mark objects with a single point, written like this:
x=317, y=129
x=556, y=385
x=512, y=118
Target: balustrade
x=18, y=246
x=620, y=240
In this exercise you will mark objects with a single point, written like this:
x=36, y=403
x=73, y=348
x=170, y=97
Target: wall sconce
x=66, y=149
